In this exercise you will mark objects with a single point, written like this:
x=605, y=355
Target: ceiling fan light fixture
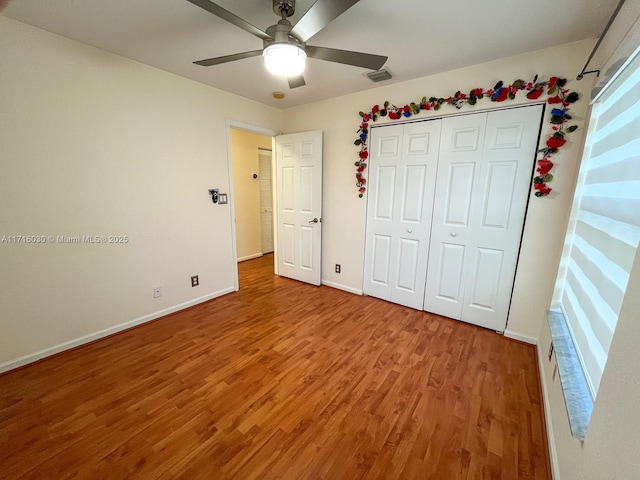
x=284, y=59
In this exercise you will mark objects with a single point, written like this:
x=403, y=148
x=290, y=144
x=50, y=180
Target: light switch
x=222, y=198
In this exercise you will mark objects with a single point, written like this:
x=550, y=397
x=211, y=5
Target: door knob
x=409, y=230
x=315, y=220
x=453, y=234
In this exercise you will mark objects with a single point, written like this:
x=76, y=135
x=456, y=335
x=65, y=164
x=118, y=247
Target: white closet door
x=403, y=163
x=485, y=168
x=461, y=148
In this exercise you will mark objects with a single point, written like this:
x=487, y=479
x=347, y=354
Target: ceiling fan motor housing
x=279, y=33
x=286, y=7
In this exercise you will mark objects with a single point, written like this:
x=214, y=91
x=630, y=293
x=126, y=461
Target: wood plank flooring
x=280, y=380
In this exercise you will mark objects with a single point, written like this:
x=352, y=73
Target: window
x=604, y=229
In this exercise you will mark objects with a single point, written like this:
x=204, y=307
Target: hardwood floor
x=280, y=380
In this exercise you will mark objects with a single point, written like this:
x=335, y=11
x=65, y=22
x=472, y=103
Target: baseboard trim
x=339, y=286
x=555, y=468
x=47, y=352
x=250, y=257
x=523, y=338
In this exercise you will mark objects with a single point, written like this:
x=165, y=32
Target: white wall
x=610, y=449
x=95, y=144
x=246, y=190
x=343, y=215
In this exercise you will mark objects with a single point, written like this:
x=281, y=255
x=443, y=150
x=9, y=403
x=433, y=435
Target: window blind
x=604, y=230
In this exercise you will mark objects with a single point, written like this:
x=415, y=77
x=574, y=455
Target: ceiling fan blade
x=228, y=58
x=295, y=82
x=357, y=59
x=218, y=11
x=321, y=14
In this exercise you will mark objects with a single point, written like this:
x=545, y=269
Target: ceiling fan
x=284, y=45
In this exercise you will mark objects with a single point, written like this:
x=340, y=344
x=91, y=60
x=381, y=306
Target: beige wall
x=610, y=450
x=95, y=144
x=343, y=216
x=246, y=190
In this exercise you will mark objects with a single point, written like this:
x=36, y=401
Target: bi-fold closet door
x=402, y=183
x=472, y=213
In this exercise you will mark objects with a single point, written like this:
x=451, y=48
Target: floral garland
x=555, y=88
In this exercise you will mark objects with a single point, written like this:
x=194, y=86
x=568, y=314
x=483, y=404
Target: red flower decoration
x=533, y=94
x=503, y=95
x=555, y=142
x=544, y=166
x=562, y=97
x=542, y=188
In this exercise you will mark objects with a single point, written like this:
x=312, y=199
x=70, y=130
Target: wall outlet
x=194, y=281
x=337, y=268
x=157, y=292
x=550, y=354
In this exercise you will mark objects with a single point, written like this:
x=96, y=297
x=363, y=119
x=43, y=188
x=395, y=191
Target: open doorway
x=251, y=163
x=297, y=220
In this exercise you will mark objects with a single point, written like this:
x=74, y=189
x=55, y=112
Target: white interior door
x=485, y=167
x=266, y=201
x=401, y=183
x=299, y=205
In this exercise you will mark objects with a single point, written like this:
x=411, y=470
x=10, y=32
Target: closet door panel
x=382, y=211
x=381, y=258
x=462, y=142
x=457, y=201
x=449, y=274
x=399, y=207
x=498, y=213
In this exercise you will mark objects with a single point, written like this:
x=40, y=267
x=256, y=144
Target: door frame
x=229, y=124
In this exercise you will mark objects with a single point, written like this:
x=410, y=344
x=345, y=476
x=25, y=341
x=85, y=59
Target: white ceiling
x=420, y=37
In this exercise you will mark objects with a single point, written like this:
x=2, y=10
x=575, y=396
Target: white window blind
x=604, y=230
